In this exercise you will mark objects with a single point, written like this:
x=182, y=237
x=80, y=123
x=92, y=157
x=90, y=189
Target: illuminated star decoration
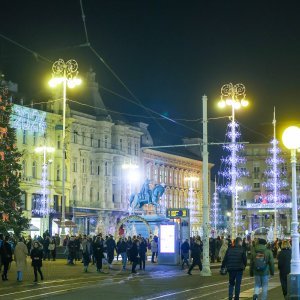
x=234, y=165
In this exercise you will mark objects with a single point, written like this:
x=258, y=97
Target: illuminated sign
x=167, y=239
x=177, y=213
x=26, y=118
x=269, y=205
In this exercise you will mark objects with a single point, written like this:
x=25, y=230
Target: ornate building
x=183, y=179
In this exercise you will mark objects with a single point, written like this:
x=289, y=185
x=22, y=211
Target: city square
x=149, y=150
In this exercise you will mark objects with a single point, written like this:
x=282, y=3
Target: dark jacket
x=196, y=253
x=235, y=259
x=6, y=252
x=185, y=247
x=98, y=249
x=284, y=261
x=269, y=259
x=134, y=252
x=37, y=257
x=123, y=247
x=143, y=249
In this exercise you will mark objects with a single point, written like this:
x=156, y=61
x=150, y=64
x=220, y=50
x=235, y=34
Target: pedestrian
x=196, y=256
x=134, y=255
x=52, y=248
x=218, y=247
x=123, y=252
x=71, y=250
x=223, y=249
x=29, y=244
x=1, y=243
x=154, y=248
x=185, y=249
x=111, y=247
x=98, y=252
x=36, y=255
x=235, y=261
x=46, y=244
x=284, y=265
x=20, y=255
x=118, y=248
x=261, y=266
x=6, y=256
x=142, y=253
x=86, y=252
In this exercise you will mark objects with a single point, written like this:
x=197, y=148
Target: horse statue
x=147, y=196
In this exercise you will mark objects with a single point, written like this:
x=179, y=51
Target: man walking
x=235, y=261
x=196, y=256
x=185, y=249
x=261, y=266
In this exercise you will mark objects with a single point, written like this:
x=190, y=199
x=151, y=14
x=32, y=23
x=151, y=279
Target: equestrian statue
x=147, y=196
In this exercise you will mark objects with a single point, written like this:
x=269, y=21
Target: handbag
x=223, y=271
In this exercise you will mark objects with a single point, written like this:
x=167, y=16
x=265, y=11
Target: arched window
x=58, y=142
x=91, y=194
x=106, y=168
x=58, y=172
x=74, y=193
x=34, y=169
x=24, y=167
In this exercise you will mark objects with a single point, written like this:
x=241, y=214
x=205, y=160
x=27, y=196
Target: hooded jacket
x=269, y=259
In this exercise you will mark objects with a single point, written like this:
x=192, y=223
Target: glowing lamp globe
x=222, y=104
x=291, y=137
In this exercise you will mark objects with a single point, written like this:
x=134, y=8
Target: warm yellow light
x=237, y=105
x=291, y=137
x=44, y=148
x=228, y=102
x=221, y=103
x=245, y=102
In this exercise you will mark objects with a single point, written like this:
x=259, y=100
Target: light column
x=234, y=96
x=291, y=140
x=65, y=73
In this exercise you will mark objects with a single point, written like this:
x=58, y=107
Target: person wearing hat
x=261, y=266
x=235, y=261
x=284, y=264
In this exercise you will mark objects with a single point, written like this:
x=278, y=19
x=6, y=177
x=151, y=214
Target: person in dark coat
x=142, y=253
x=36, y=255
x=196, y=256
x=71, y=250
x=284, y=265
x=46, y=244
x=185, y=249
x=212, y=249
x=98, y=252
x=111, y=246
x=235, y=261
x=6, y=256
x=134, y=255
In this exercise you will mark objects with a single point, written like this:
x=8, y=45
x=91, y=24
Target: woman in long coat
x=223, y=249
x=20, y=254
x=36, y=255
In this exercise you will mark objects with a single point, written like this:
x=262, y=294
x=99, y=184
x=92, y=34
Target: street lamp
x=234, y=96
x=132, y=176
x=291, y=140
x=64, y=73
x=45, y=201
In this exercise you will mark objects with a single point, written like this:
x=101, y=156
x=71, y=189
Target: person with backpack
x=235, y=261
x=261, y=266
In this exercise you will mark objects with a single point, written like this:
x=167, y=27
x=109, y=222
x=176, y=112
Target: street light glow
x=44, y=148
x=291, y=137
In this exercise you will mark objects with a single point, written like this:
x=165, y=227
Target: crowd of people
x=99, y=250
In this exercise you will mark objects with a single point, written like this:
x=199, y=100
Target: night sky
x=168, y=53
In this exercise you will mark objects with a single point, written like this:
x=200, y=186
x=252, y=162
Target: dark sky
x=169, y=53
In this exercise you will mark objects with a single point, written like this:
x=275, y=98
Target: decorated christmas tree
x=11, y=215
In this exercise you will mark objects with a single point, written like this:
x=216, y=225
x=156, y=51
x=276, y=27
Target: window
x=129, y=147
x=170, y=177
x=58, y=142
x=92, y=140
x=24, y=137
x=166, y=177
x=256, y=171
x=24, y=167
x=105, y=195
x=98, y=196
x=105, y=141
x=75, y=135
x=91, y=167
x=99, y=143
x=34, y=169
x=91, y=194
x=98, y=170
x=34, y=138
x=160, y=175
x=58, y=172
x=106, y=168
x=121, y=144
x=83, y=166
x=74, y=193
x=256, y=185
x=75, y=165
x=136, y=151
x=83, y=138
x=155, y=175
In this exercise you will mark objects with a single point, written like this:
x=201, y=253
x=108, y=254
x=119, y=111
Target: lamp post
x=291, y=140
x=45, y=203
x=234, y=96
x=64, y=73
x=132, y=176
x=191, y=202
